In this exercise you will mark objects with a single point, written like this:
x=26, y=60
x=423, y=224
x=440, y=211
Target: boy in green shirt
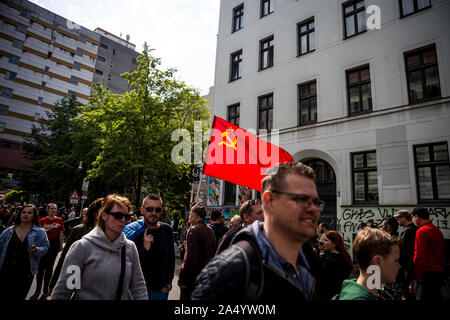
x=378, y=254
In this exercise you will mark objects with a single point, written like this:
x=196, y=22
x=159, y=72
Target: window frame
x=355, y=21
x=308, y=31
x=260, y=110
x=10, y=75
x=232, y=65
x=6, y=95
x=74, y=80
x=299, y=101
x=4, y=109
x=270, y=8
x=415, y=4
x=237, y=113
x=10, y=60
x=271, y=52
x=2, y=127
x=422, y=67
x=238, y=14
x=360, y=83
x=432, y=164
x=364, y=170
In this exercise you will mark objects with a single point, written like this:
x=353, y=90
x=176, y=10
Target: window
x=306, y=37
x=70, y=94
x=74, y=80
x=40, y=100
x=14, y=59
x=46, y=69
x=266, y=7
x=307, y=93
x=10, y=75
x=230, y=194
x=233, y=114
x=100, y=58
x=266, y=53
x=7, y=92
x=265, y=110
x=49, y=54
x=9, y=145
x=37, y=116
x=432, y=171
x=2, y=127
x=21, y=28
x=25, y=13
x=43, y=84
x=98, y=72
x=408, y=7
x=52, y=41
x=238, y=18
x=364, y=176
x=104, y=46
x=422, y=74
x=358, y=90
x=236, y=66
x=82, y=38
x=18, y=44
x=114, y=51
x=354, y=18
x=79, y=52
x=4, y=109
x=77, y=66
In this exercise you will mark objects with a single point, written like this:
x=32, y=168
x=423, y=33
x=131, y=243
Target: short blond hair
x=370, y=242
x=236, y=219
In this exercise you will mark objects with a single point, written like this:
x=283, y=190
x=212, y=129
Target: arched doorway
x=326, y=187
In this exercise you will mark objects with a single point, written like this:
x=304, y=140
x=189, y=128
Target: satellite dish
x=128, y=37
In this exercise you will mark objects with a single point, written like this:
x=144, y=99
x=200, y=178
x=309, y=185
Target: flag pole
x=199, y=184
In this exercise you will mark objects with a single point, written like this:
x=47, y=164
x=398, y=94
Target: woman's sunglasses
x=119, y=215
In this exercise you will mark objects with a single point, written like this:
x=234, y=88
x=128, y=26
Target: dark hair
x=152, y=196
x=246, y=207
x=393, y=223
x=421, y=212
x=325, y=225
x=337, y=240
x=199, y=210
x=275, y=177
x=35, y=221
x=216, y=214
x=94, y=207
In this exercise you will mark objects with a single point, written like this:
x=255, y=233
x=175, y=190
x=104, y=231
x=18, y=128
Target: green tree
x=54, y=172
x=131, y=133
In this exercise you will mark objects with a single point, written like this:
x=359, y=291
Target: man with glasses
x=154, y=241
x=271, y=260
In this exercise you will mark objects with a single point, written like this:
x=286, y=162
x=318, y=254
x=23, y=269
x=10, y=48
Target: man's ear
x=267, y=197
x=142, y=210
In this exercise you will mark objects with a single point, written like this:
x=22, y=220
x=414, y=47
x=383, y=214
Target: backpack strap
x=122, y=272
x=254, y=270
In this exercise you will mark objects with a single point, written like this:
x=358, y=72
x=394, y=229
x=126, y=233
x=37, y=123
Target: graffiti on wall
x=350, y=219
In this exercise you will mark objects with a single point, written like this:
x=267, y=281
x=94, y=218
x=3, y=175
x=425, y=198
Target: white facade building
x=368, y=109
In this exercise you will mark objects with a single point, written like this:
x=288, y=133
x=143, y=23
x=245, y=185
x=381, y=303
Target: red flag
x=237, y=156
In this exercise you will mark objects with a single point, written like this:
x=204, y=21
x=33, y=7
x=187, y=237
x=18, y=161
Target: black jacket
x=225, y=276
x=219, y=230
x=407, y=253
x=334, y=270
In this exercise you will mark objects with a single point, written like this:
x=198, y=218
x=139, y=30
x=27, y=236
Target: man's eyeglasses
x=303, y=200
x=157, y=209
x=119, y=215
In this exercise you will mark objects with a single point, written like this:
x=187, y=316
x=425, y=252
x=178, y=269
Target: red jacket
x=429, y=254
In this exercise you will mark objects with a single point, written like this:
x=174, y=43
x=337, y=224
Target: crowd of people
x=277, y=249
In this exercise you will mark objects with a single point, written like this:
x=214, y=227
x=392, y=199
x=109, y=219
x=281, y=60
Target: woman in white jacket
x=92, y=269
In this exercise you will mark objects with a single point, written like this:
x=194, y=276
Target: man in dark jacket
x=155, y=245
x=408, y=236
x=217, y=225
x=200, y=248
x=250, y=211
x=270, y=260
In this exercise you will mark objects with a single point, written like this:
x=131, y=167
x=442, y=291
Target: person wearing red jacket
x=429, y=256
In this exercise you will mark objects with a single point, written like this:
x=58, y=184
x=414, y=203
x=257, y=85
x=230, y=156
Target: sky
x=182, y=32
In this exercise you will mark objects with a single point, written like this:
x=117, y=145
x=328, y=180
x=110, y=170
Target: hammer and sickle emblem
x=229, y=142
